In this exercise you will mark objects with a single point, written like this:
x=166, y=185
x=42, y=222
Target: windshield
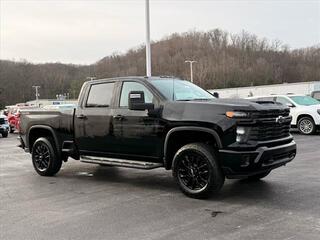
x=304, y=100
x=180, y=90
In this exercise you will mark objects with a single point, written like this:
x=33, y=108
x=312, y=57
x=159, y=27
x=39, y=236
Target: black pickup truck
x=147, y=123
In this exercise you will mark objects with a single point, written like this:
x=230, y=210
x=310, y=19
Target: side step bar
x=120, y=162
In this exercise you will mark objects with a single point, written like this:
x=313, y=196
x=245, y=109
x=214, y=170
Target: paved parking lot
x=92, y=202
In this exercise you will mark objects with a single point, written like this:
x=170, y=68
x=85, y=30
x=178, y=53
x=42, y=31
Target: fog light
x=242, y=134
x=245, y=161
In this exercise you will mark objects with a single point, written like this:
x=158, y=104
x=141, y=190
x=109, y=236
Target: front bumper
x=240, y=164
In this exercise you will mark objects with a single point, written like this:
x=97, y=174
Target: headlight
x=242, y=134
x=232, y=114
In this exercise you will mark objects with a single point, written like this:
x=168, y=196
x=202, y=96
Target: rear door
x=93, y=120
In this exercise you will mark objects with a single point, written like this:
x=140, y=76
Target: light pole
x=191, y=70
x=37, y=94
x=148, y=48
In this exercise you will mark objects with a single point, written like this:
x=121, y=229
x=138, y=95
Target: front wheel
x=44, y=157
x=5, y=134
x=196, y=170
x=306, y=125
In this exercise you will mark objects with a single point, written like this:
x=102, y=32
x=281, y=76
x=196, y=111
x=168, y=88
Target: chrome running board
x=120, y=162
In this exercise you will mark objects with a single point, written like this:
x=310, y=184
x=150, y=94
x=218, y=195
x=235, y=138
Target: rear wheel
x=259, y=176
x=306, y=125
x=44, y=157
x=11, y=129
x=196, y=170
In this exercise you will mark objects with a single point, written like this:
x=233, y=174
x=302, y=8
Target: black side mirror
x=137, y=102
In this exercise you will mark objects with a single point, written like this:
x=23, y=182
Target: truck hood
x=213, y=111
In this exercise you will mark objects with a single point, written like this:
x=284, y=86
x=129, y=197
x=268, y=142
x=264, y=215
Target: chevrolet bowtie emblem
x=280, y=119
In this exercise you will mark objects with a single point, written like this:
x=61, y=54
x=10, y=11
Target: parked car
x=12, y=120
x=305, y=110
x=316, y=95
x=14, y=115
x=147, y=123
x=4, y=126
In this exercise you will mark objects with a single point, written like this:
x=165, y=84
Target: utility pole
x=148, y=48
x=37, y=94
x=191, y=70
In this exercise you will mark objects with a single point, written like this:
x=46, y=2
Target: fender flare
x=179, y=129
x=34, y=127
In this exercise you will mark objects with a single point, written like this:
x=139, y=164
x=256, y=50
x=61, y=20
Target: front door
x=141, y=134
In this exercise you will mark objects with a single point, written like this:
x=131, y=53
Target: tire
x=44, y=157
x=5, y=135
x=196, y=170
x=306, y=126
x=259, y=176
x=11, y=130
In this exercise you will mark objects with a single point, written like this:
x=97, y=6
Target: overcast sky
x=83, y=32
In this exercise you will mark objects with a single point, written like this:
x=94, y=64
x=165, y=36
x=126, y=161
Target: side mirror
x=137, y=102
x=290, y=105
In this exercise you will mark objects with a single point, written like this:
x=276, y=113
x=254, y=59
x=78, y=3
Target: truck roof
x=143, y=78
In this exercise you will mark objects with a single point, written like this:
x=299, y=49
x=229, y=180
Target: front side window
x=100, y=95
x=127, y=87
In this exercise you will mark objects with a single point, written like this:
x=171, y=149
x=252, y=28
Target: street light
x=148, y=48
x=191, y=70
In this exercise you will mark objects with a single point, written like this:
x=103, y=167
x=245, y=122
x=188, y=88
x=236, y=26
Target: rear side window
x=100, y=95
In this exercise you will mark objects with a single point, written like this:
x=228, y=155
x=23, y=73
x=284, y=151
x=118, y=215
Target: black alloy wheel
x=41, y=157
x=44, y=157
x=193, y=171
x=196, y=170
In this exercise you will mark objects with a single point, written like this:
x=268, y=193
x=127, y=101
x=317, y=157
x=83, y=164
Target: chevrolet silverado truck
x=152, y=122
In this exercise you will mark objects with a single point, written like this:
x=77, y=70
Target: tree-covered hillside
x=223, y=60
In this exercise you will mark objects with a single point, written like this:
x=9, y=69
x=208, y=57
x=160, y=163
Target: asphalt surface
x=87, y=201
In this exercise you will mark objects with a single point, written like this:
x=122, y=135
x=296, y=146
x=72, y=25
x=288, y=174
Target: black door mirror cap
x=137, y=101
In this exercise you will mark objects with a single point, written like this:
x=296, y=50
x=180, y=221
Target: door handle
x=81, y=116
x=118, y=117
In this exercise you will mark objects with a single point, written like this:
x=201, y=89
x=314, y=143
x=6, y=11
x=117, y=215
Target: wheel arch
x=184, y=134
x=38, y=131
x=304, y=115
